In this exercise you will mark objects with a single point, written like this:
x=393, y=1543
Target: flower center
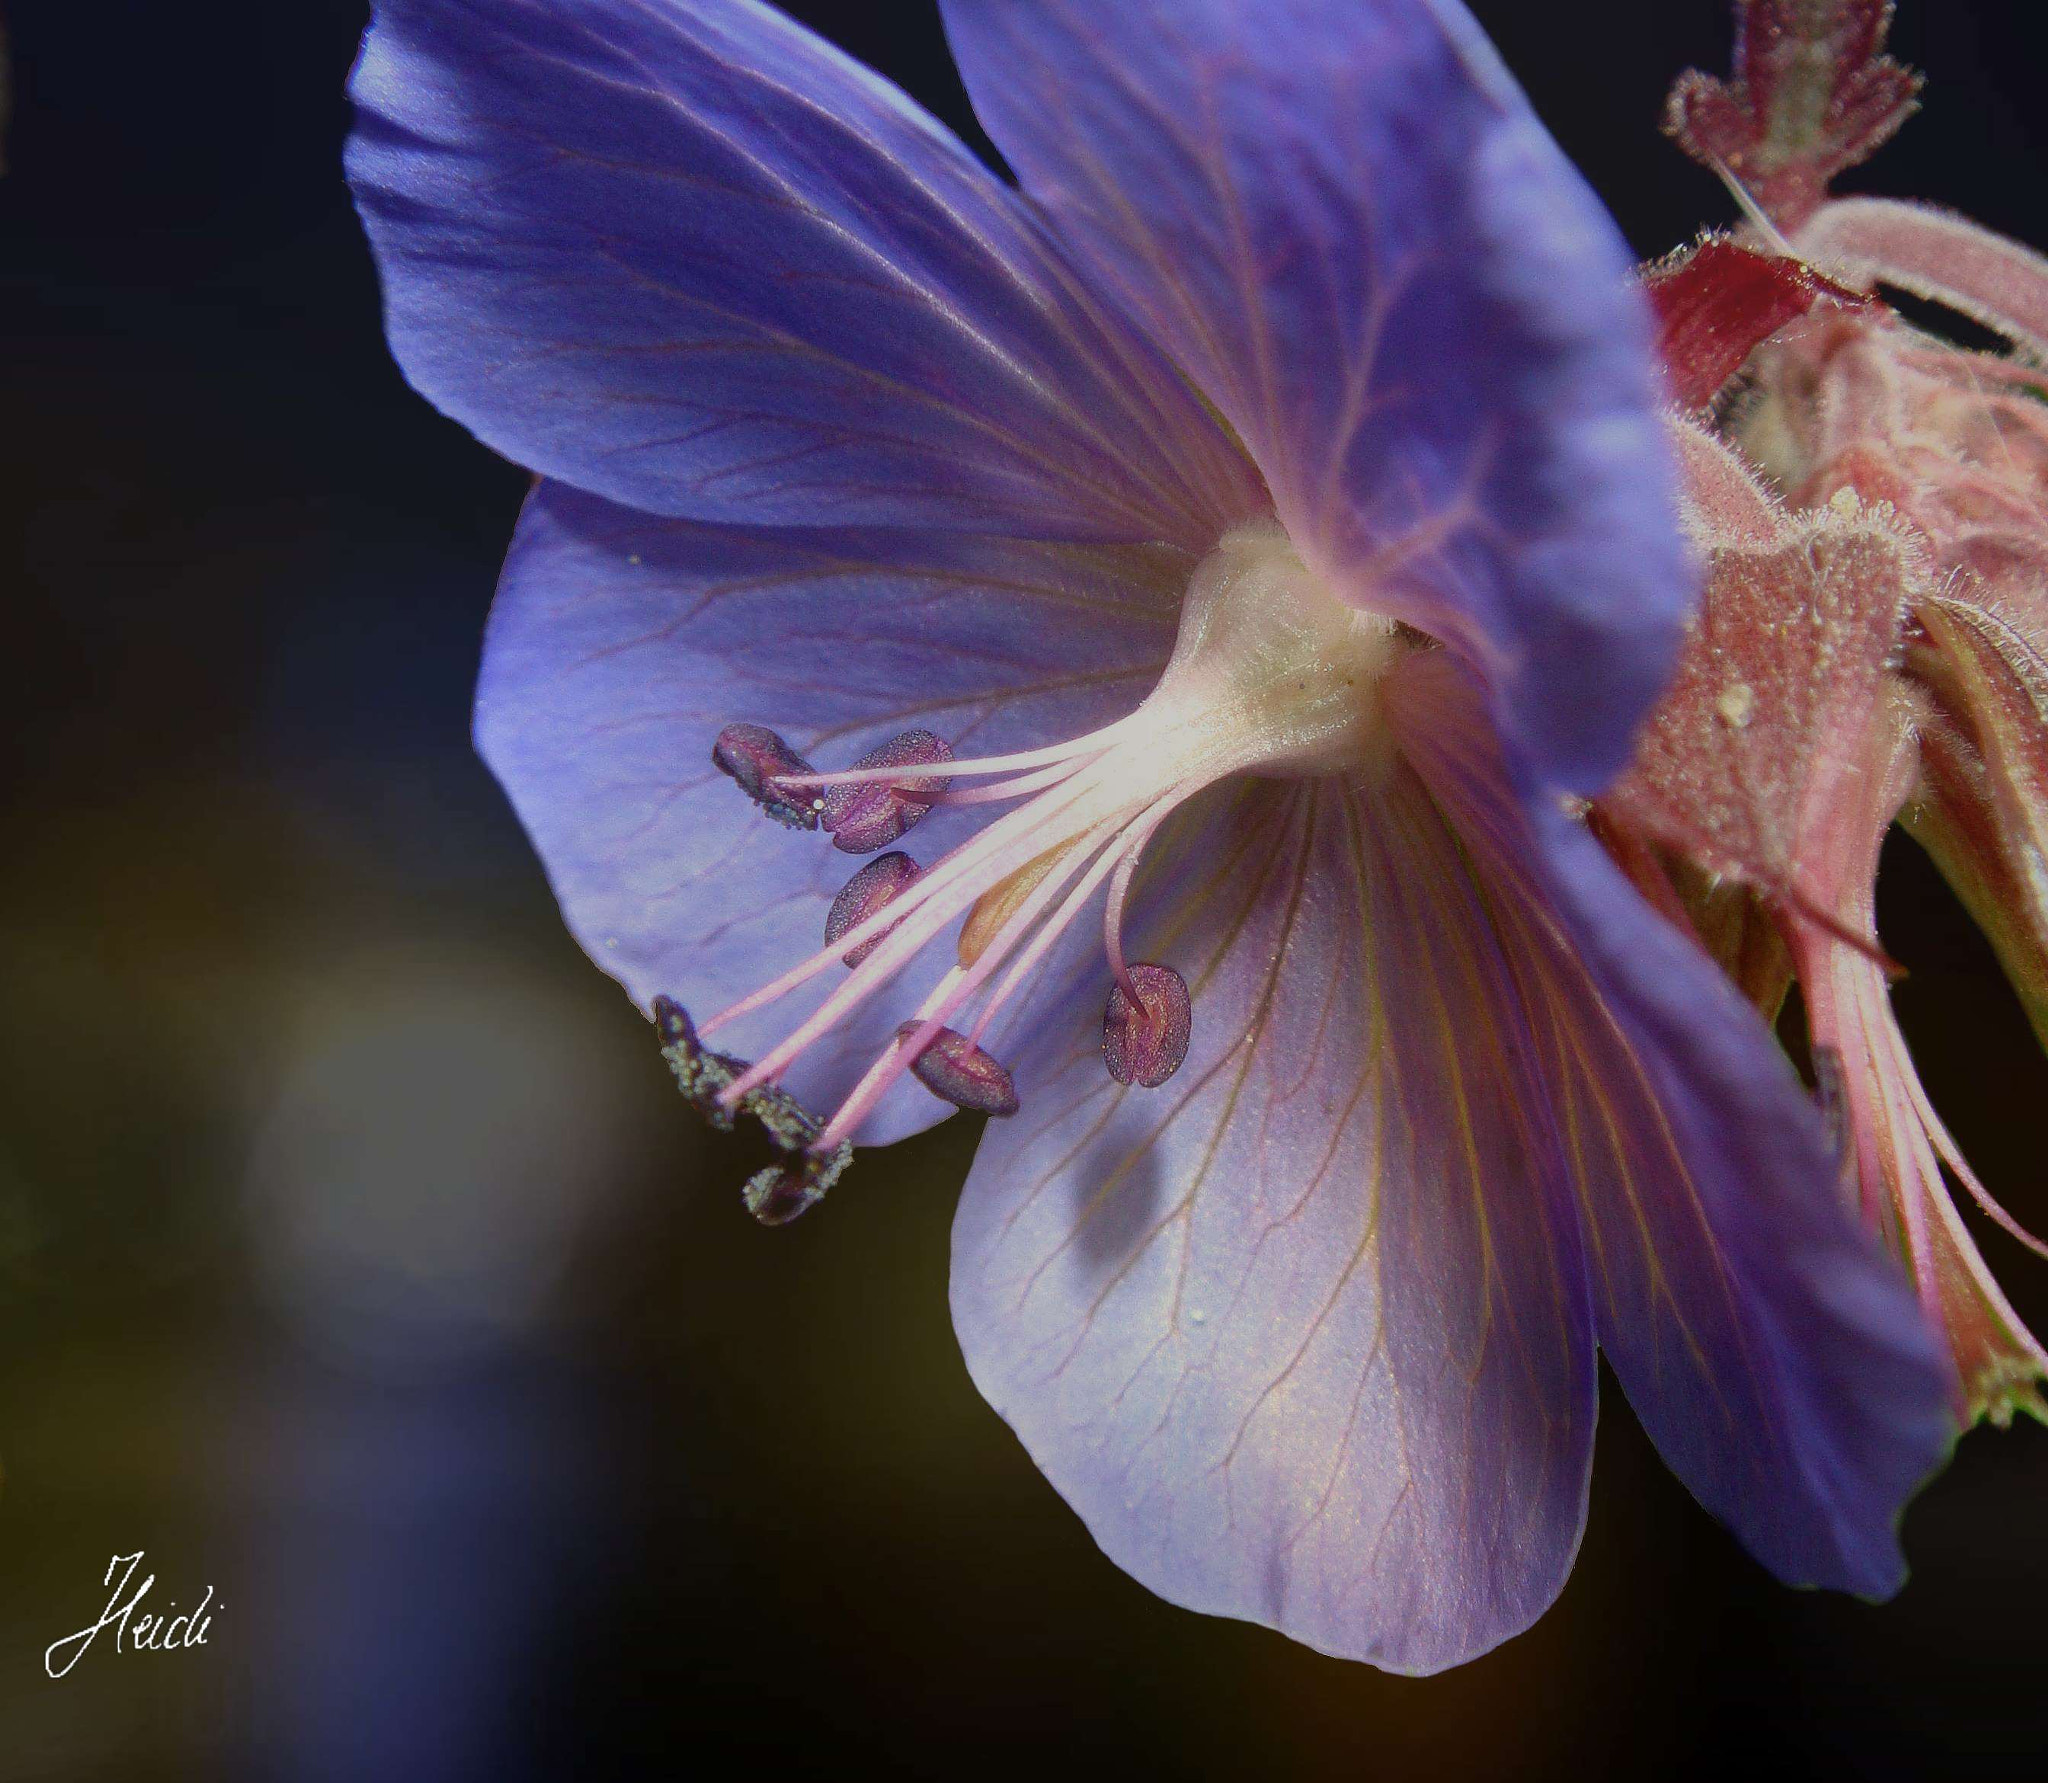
x=1271, y=674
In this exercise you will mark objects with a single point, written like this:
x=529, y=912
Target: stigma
x=1272, y=674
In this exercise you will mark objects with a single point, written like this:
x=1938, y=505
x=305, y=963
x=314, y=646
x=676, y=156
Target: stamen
x=701, y=1075
x=1144, y=1040
x=776, y=1195
x=1271, y=673
x=1831, y=1094
x=955, y=1070
x=1012, y=789
x=867, y=816
x=880, y=883
x=1120, y=886
x=1050, y=931
x=951, y=992
x=1011, y=839
x=999, y=903
x=761, y=761
x=1951, y=1154
x=1092, y=744
x=783, y=1190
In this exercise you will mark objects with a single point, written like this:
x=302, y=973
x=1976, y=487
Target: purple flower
x=1267, y=510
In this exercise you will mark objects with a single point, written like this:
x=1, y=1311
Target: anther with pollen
x=776, y=1195
x=1144, y=1043
x=759, y=760
x=866, y=815
x=783, y=1190
x=1273, y=673
x=878, y=884
x=955, y=1070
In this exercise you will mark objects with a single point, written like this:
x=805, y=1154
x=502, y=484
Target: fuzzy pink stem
x=1884, y=1047
x=1936, y=255
x=1952, y=1155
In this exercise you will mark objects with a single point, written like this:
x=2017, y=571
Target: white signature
x=158, y=1634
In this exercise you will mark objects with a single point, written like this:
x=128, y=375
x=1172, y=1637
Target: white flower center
x=1272, y=672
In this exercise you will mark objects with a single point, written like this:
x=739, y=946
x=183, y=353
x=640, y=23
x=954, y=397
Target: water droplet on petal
x=878, y=884
x=756, y=757
x=960, y=1073
x=1146, y=1045
x=871, y=814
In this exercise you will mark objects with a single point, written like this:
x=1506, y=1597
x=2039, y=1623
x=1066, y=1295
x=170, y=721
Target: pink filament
x=1118, y=856
x=1072, y=784
x=896, y=952
x=1055, y=926
x=1120, y=887
x=1092, y=744
x=1011, y=789
x=951, y=992
x=1003, y=834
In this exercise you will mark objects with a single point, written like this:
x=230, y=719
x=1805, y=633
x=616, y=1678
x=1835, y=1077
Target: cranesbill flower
x=1873, y=641
x=1227, y=563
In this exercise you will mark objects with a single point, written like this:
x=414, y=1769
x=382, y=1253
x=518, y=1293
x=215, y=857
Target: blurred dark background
x=357, y=1258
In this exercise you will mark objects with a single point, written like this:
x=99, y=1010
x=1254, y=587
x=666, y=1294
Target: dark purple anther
x=1145, y=1046
x=672, y=1022
x=870, y=814
x=756, y=757
x=700, y=1073
x=799, y=1179
x=961, y=1074
x=778, y=1194
x=881, y=882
